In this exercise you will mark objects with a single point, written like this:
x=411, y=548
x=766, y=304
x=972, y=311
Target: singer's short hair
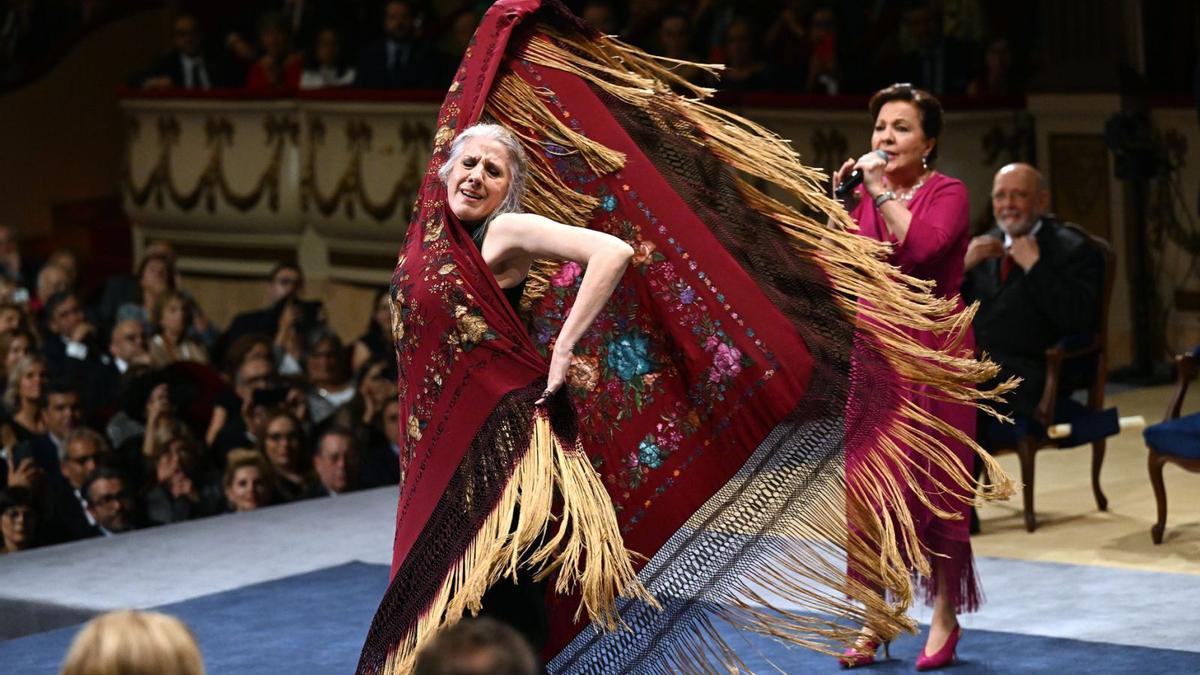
x=926, y=104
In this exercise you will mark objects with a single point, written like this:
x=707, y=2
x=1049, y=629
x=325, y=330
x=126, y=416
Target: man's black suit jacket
x=1023, y=316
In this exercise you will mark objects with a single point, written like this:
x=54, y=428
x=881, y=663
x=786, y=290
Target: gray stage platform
x=62, y=585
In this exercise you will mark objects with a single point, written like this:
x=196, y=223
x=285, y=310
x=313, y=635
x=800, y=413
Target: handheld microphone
x=854, y=179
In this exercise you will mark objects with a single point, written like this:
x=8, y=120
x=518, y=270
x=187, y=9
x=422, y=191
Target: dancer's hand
x=560, y=363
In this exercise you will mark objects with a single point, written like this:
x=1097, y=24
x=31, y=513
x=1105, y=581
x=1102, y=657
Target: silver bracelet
x=883, y=197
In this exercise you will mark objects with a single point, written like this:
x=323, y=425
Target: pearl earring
x=925, y=162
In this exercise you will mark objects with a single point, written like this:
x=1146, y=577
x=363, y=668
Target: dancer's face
x=479, y=179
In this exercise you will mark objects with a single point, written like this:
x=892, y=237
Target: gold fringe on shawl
x=586, y=546
x=882, y=542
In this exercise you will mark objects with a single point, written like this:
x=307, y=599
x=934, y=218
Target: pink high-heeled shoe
x=944, y=656
x=853, y=658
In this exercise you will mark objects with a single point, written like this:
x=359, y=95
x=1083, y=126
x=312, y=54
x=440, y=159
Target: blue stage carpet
x=315, y=623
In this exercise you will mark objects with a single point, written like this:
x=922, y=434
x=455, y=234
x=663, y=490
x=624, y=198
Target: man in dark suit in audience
x=1036, y=280
x=401, y=60
x=68, y=517
x=287, y=320
x=188, y=66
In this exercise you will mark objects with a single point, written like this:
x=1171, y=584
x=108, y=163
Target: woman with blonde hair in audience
x=281, y=441
x=129, y=642
x=171, y=317
x=23, y=397
x=14, y=346
x=247, y=480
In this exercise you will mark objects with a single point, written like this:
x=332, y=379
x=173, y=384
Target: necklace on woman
x=906, y=195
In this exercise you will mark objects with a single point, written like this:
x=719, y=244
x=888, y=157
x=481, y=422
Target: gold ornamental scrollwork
x=349, y=193
x=212, y=184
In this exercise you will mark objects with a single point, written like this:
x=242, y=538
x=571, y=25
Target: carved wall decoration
x=349, y=193
x=1080, y=183
x=213, y=185
x=1007, y=143
x=830, y=148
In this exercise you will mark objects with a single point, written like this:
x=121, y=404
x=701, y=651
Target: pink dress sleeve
x=938, y=224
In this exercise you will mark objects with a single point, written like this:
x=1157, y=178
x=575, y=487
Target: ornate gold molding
x=349, y=193
x=212, y=183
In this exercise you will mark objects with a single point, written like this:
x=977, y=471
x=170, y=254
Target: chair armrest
x=1074, y=346
x=1044, y=412
x=1185, y=369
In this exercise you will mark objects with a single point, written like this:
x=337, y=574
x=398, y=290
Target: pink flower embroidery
x=566, y=275
x=727, y=362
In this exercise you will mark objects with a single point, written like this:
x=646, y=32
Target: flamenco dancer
x=638, y=391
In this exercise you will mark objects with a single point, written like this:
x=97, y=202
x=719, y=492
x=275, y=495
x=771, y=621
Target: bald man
x=1036, y=280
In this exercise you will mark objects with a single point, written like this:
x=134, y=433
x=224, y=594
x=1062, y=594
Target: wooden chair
x=1075, y=363
x=1175, y=440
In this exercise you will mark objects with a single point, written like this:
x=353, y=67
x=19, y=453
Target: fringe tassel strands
x=585, y=547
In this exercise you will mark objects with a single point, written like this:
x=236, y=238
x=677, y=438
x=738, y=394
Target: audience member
x=376, y=342
x=1036, y=281
x=281, y=440
x=156, y=277
x=188, y=66
x=182, y=488
x=18, y=520
x=329, y=383
x=337, y=463
x=744, y=68
x=287, y=320
x=381, y=449
x=51, y=280
x=462, y=29
x=68, y=516
x=111, y=501
x=12, y=318
x=231, y=423
x=70, y=345
x=24, y=396
x=675, y=42
x=14, y=265
x=324, y=64
x=279, y=67
x=127, y=346
x=602, y=15
x=997, y=77
x=14, y=346
x=401, y=59
x=480, y=646
x=171, y=318
x=932, y=61
x=63, y=413
x=823, y=73
x=129, y=642
x=247, y=481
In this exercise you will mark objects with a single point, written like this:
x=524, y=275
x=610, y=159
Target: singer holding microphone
x=896, y=196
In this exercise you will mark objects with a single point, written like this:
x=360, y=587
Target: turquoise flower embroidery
x=628, y=356
x=649, y=454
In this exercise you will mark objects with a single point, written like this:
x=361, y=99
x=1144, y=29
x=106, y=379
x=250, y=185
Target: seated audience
x=376, y=342
x=401, y=59
x=281, y=440
x=324, y=65
x=63, y=413
x=129, y=642
x=182, y=488
x=745, y=70
x=1036, y=282
x=381, y=450
x=68, y=517
x=330, y=386
x=156, y=276
x=171, y=319
x=70, y=345
x=14, y=346
x=232, y=421
x=479, y=646
x=18, y=520
x=337, y=463
x=279, y=67
x=51, y=280
x=247, y=481
x=24, y=396
x=188, y=65
x=287, y=320
x=111, y=501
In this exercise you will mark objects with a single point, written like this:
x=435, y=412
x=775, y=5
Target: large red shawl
x=705, y=425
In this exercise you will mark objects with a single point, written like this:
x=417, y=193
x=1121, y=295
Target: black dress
x=522, y=604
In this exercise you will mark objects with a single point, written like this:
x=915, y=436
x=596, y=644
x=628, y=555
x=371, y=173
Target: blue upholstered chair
x=1175, y=440
x=1078, y=363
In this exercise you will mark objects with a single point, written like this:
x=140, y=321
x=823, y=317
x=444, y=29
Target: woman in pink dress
x=924, y=215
